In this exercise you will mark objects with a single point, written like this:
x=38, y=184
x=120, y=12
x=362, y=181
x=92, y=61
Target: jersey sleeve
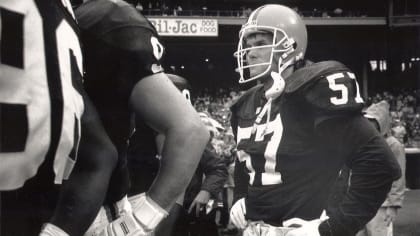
x=373, y=169
x=120, y=41
x=138, y=52
x=334, y=94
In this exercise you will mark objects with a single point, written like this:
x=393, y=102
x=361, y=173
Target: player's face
x=258, y=55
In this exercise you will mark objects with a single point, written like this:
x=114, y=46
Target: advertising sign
x=185, y=27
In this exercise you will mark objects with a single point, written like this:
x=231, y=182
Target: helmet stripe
x=254, y=14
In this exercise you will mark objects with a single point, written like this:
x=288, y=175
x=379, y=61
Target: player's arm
x=83, y=193
x=373, y=166
x=161, y=105
x=345, y=134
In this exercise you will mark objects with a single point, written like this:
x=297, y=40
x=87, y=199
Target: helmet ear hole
x=294, y=45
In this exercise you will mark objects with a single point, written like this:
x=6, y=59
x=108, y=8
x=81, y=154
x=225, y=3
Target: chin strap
x=271, y=94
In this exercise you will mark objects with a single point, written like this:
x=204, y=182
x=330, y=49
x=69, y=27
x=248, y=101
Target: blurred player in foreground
x=56, y=159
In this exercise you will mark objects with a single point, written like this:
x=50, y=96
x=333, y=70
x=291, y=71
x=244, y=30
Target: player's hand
x=237, y=214
x=102, y=220
x=104, y=217
x=390, y=214
x=123, y=206
x=303, y=227
x=138, y=216
x=51, y=230
x=199, y=202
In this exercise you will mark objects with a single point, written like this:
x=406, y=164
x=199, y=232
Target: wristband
x=147, y=212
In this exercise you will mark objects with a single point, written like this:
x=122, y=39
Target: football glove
x=123, y=206
x=304, y=227
x=104, y=217
x=237, y=214
x=101, y=221
x=51, y=230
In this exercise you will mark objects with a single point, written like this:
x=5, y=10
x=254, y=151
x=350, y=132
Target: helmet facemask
x=281, y=43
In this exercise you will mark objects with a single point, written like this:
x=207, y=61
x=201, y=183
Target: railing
x=238, y=17
x=243, y=13
x=158, y=12
x=405, y=20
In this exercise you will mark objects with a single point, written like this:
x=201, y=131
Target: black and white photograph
x=209, y=118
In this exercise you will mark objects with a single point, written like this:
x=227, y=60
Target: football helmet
x=289, y=39
x=182, y=84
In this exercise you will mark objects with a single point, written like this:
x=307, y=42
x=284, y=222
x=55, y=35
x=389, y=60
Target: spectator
x=197, y=218
x=381, y=224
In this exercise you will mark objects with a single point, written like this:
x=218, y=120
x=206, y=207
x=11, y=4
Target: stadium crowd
x=405, y=113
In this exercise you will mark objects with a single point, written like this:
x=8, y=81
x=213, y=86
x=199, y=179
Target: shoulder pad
x=101, y=16
x=244, y=97
x=245, y=105
x=311, y=73
x=333, y=91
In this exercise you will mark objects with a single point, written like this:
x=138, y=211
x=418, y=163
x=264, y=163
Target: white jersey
x=40, y=106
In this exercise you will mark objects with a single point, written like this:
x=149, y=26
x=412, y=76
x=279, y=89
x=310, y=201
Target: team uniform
x=286, y=165
x=41, y=105
x=120, y=47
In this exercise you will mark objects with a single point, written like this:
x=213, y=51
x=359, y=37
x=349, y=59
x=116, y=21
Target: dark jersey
x=292, y=160
x=40, y=100
x=120, y=47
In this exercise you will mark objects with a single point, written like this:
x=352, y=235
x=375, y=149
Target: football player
x=295, y=130
x=124, y=75
x=56, y=158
